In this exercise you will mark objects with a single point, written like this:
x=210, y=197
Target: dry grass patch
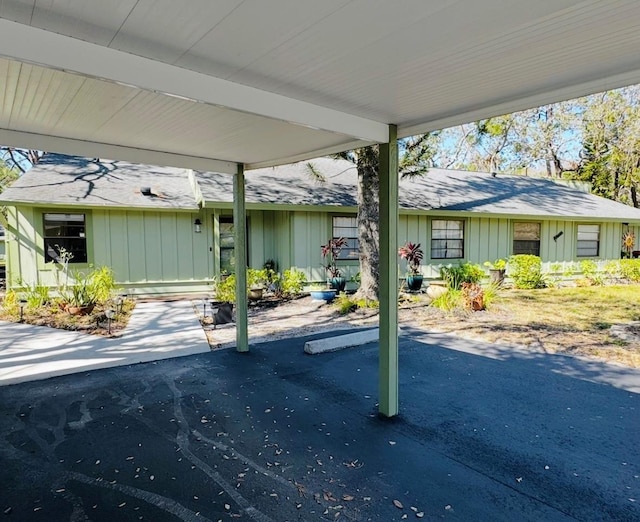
x=573, y=321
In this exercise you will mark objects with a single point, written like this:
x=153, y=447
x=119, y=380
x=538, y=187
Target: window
x=227, y=246
x=447, y=239
x=2, y=233
x=347, y=227
x=526, y=238
x=588, y=240
x=68, y=232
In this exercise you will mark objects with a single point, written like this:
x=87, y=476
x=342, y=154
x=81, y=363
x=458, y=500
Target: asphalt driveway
x=485, y=433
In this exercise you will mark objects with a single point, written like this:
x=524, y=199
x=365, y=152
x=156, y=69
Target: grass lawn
x=574, y=321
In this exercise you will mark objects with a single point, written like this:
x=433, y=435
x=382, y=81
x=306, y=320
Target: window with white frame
x=526, y=238
x=447, y=239
x=65, y=233
x=588, y=241
x=347, y=227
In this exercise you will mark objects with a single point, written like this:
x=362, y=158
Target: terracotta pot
x=80, y=310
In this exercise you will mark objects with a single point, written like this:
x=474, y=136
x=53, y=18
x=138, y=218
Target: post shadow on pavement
x=484, y=434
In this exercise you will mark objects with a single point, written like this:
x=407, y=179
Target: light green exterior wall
x=487, y=239
x=153, y=252
x=149, y=252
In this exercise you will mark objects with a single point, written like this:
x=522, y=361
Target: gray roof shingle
x=82, y=181
x=77, y=181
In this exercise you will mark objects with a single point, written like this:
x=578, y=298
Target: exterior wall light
x=197, y=226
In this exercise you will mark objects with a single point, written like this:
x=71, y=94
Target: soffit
x=419, y=65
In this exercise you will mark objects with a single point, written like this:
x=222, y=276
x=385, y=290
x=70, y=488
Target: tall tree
x=610, y=156
x=415, y=158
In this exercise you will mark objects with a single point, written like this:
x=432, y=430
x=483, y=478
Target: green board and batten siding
x=149, y=251
x=153, y=252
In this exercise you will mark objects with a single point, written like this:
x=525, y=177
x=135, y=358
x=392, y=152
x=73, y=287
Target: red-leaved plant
x=331, y=253
x=412, y=254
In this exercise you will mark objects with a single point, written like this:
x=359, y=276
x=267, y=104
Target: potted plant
x=497, y=270
x=412, y=254
x=322, y=293
x=331, y=254
x=257, y=281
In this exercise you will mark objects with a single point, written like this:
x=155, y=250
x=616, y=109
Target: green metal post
x=240, y=247
x=388, y=363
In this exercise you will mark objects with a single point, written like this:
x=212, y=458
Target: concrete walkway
x=157, y=330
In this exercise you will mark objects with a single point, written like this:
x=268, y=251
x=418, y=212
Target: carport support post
x=240, y=246
x=388, y=356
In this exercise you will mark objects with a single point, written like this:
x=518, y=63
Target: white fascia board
x=92, y=149
x=525, y=102
x=316, y=153
x=28, y=44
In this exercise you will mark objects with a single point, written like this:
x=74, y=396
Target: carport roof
x=206, y=85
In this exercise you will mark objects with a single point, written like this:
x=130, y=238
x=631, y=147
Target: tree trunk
x=368, y=220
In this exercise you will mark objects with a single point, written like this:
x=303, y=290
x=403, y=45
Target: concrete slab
x=156, y=330
x=339, y=342
x=275, y=435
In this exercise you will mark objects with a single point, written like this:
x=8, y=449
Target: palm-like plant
x=331, y=253
x=412, y=254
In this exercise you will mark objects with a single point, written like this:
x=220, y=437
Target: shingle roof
x=77, y=181
x=82, y=181
x=439, y=190
x=292, y=184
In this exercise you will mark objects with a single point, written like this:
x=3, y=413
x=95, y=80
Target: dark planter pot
x=338, y=283
x=497, y=276
x=221, y=313
x=327, y=295
x=414, y=282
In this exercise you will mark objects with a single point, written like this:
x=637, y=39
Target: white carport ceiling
x=207, y=84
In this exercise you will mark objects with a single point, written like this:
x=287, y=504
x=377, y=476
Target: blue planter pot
x=323, y=295
x=338, y=283
x=414, y=282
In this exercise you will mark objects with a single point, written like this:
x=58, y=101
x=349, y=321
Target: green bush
x=257, y=278
x=95, y=287
x=293, y=281
x=526, y=271
x=455, y=275
x=225, y=290
x=630, y=269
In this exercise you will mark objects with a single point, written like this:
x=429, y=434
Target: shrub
x=10, y=304
x=35, y=295
x=293, y=281
x=589, y=270
x=225, y=290
x=455, y=275
x=526, y=271
x=630, y=269
x=257, y=278
x=90, y=288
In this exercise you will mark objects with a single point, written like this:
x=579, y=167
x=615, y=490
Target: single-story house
x=168, y=230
